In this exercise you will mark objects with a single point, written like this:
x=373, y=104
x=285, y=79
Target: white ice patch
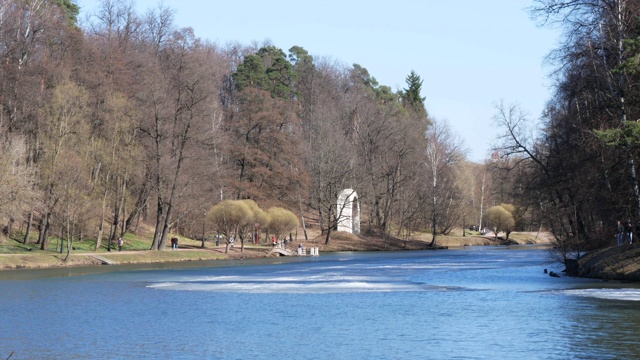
x=272, y=279
x=316, y=283
x=626, y=294
x=289, y=287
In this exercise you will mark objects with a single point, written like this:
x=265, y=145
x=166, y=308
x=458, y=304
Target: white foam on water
x=626, y=294
x=290, y=287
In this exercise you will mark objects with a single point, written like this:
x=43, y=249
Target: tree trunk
x=28, y=232
x=434, y=218
x=484, y=176
x=330, y=227
x=157, y=235
x=101, y=226
x=304, y=227
x=9, y=227
x=140, y=204
x=44, y=233
x=69, y=239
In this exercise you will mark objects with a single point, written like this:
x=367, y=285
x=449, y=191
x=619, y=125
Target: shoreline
x=80, y=269
x=191, y=254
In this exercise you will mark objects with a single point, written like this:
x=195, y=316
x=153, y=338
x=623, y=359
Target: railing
x=301, y=251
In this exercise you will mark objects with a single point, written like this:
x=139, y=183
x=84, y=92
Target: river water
x=470, y=303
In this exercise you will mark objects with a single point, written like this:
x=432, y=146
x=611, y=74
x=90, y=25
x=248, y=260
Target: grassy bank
x=16, y=255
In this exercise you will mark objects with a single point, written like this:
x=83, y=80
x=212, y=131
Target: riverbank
x=613, y=263
x=191, y=250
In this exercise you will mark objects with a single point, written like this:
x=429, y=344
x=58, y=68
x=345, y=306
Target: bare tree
x=18, y=194
x=62, y=141
x=180, y=96
x=444, y=152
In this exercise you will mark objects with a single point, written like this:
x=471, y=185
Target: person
x=629, y=231
x=619, y=232
x=174, y=243
x=273, y=240
x=120, y=243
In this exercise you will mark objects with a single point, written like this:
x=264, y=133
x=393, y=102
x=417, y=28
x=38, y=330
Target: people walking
x=619, y=233
x=629, y=232
x=120, y=243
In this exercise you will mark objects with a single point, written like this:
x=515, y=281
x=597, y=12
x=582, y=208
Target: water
x=471, y=303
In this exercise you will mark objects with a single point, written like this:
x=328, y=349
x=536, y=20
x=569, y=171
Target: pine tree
x=411, y=96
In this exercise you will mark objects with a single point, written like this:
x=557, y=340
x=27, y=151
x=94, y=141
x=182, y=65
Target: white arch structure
x=348, y=211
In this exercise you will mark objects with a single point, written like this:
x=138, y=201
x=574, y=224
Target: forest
x=580, y=164
x=126, y=119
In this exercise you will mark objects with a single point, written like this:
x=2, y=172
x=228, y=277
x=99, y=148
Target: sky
x=470, y=54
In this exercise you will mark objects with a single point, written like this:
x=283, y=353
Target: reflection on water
x=471, y=303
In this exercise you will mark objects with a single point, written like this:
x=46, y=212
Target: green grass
x=132, y=242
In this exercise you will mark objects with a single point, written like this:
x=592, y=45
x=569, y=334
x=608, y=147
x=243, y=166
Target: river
x=468, y=303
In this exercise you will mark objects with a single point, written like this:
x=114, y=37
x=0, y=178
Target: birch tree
x=443, y=152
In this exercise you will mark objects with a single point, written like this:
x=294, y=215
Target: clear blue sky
x=469, y=53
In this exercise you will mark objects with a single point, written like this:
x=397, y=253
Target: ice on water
x=628, y=294
x=330, y=283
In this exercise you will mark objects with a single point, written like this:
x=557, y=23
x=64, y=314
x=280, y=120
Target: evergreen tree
x=71, y=10
x=268, y=70
x=251, y=73
x=411, y=96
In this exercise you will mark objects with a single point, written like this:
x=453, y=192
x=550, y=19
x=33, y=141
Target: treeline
x=128, y=120
x=580, y=171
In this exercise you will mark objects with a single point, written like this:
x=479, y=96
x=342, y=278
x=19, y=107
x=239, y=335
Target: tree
x=18, y=194
x=579, y=173
x=513, y=211
x=443, y=152
x=228, y=217
x=116, y=153
x=388, y=140
x=71, y=11
x=411, y=96
x=63, y=141
x=328, y=148
x=263, y=149
x=305, y=72
x=251, y=73
x=250, y=226
x=267, y=70
x=281, y=221
x=499, y=219
x=181, y=104
x=596, y=94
